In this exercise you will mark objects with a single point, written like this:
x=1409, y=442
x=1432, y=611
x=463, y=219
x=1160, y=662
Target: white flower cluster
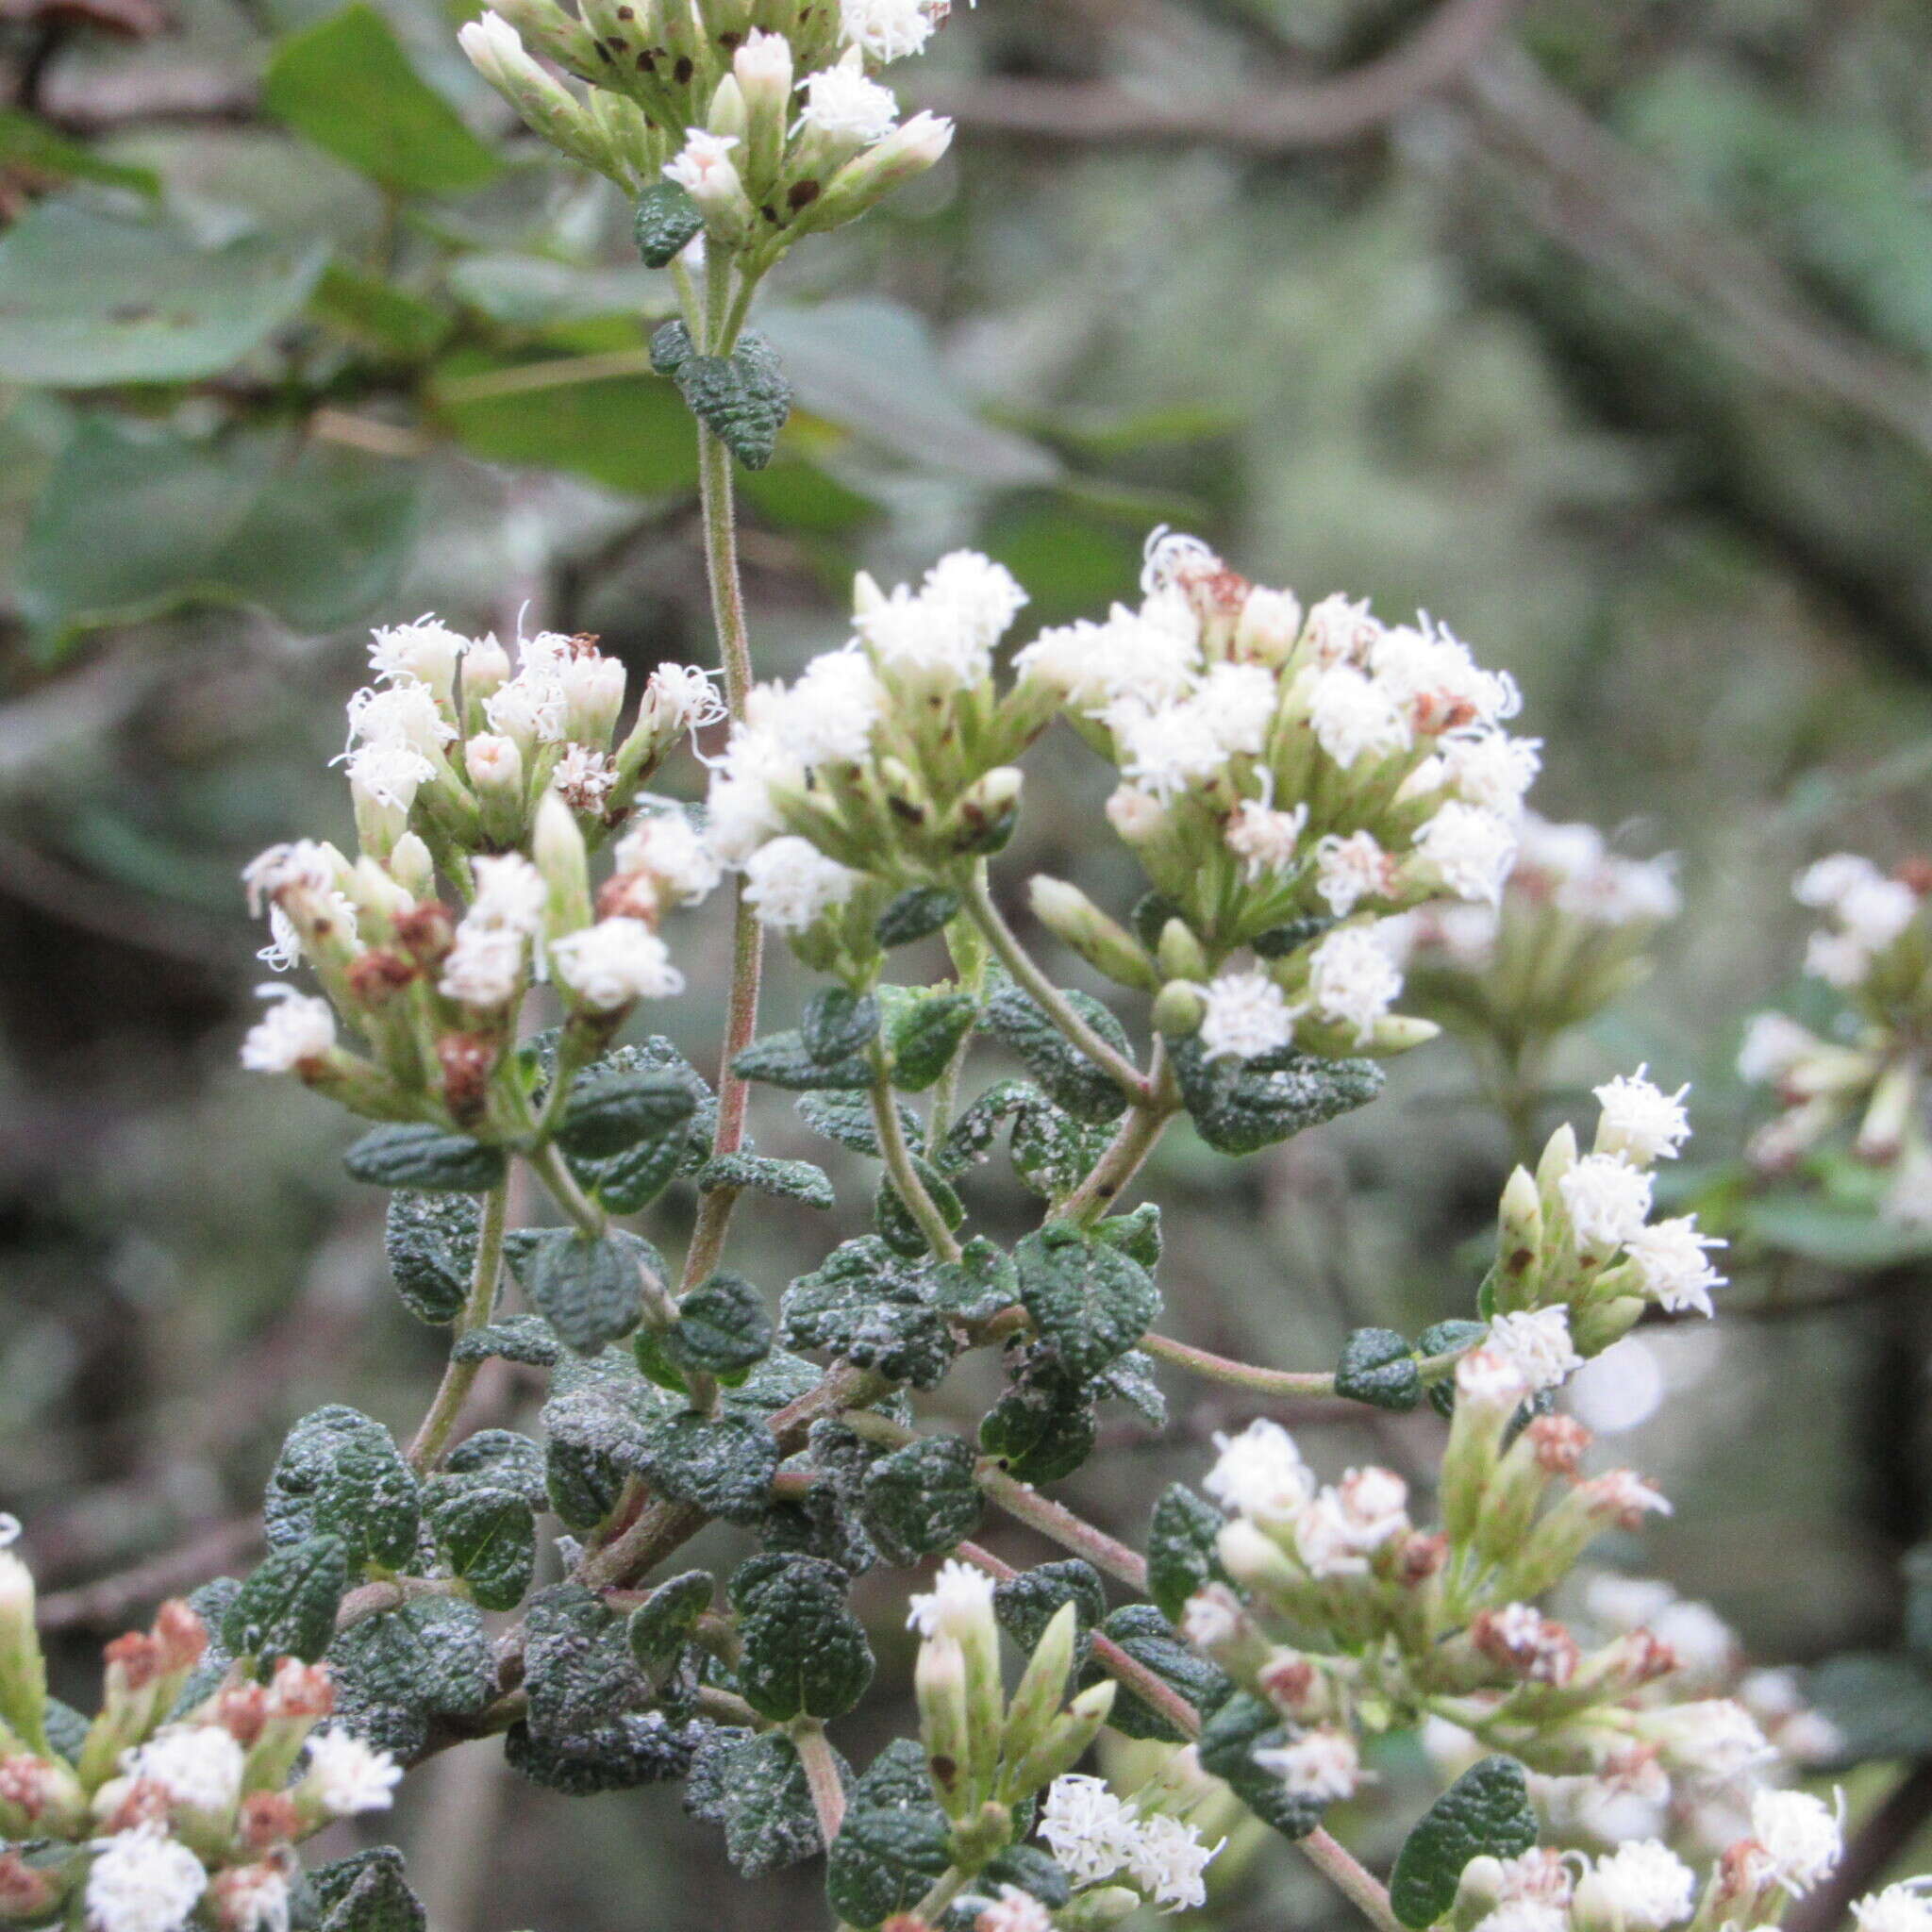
x=1097, y=1838
x=1866, y=914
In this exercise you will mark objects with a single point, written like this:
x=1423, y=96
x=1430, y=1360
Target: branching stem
x=905, y=1175
x=432, y=1439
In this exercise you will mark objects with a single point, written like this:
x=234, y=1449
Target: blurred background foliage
x=1602, y=331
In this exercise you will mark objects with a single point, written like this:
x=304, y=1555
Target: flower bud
x=1107, y=946
x=762, y=70
x=594, y=696
x=1179, y=1009
x=546, y=26
x=29, y=1891
x=1894, y=1102
x=411, y=867
x=1269, y=625
x=1394, y=1033
x=982, y=819
x=939, y=1685
x=547, y=107
x=1519, y=1243
x=704, y=170
x=1180, y=953
x=1254, y=1559
x=868, y=177
x=1065, y=1743
x=1098, y=1907
x=1489, y=1391
x=1036, y=1700
x=558, y=847
x=23, y=1670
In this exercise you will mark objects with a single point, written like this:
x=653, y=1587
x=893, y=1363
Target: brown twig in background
x=106, y=1603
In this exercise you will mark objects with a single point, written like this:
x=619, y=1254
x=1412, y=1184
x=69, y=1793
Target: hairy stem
x=945, y=1888
x=1140, y=1132
x=1055, y=1519
x=821, y=1775
x=905, y=1180
x=432, y=1439
x=1351, y=1878
x=1046, y=996
x=581, y=1212
x=1220, y=1368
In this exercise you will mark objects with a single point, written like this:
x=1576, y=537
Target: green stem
x=1220, y=1368
x=425, y=1452
x=581, y=1212
x=1046, y=996
x=945, y=1888
x=821, y=1774
x=905, y=1180
x=1140, y=1132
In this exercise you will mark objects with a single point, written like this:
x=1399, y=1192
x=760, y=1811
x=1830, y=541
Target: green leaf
x=629, y=433
x=668, y=220
x=743, y=398
x=1131, y=1381
x=804, y=1654
x=1053, y=1153
x=661, y=1625
x=1146, y=1636
x=588, y=1289
x=783, y=1059
x=914, y=914
x=430, y=1240
x=1379, y=1367
x=583, y=1486
x=340, y=1474
x=972, y=1136
x=847, y=1119
x=1485, y=1813
x=375, y=1899
x=979, y=1284
x=88, y=298
x=894, y=1220
x=378, y=315
x=1028, y=1603
x=921, y=1499
x=638, y=1748
x=721, y=1329
x=28, y=144
x=287, y=1607
x=755, y=1787
x=499, y=1459
x=349, y=87
x=524, y=1339
x=893, y=1842
x=136, y=521
x=609, y=1111
x=925, y=1032
x=1180, y=1548
x=579, y=1667
x=1837, y=1233
x=399, y=1669
x=627, y=1183
x=1136, y=1235
x=1239, y=1726
x=1239, y=1106
x=1089, y=1303
x=490, y=1539
x=426, y=1158
x=1071, y=1079
x=789, y=1180
x=725, y=1464
x=874, y=1308
x=838, y=1023
x=1043, y=1427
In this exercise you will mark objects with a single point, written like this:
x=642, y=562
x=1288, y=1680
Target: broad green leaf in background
x=348, y=85
x=87, y=298
x=135, y=523
x=378, y=314
x=533, y=291
x=26, y=142
x=1834, y=1233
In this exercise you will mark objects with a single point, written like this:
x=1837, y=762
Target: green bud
x=1483, y=1407
x=865, y=181
x=1519, y=1243
x=982, y=820
x=728, y=116
x=1036, y=1701
x=1179, y=1009
x=1256, y=1560
x=1179, y=952
x=1509, y=1500
x=412, y=868
x=1064, y=1742
x=1094, y=1910
x=23, y=1670
x=1894, y=1102
x=1397, y=1033
x=1107, y=946
x=557, y=846
x=547, y=105
x=939, y=1685
x=1596, y=1325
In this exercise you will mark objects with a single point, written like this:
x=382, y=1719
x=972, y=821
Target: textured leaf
x=1485, y=1813
x=1089, y=1303
x=921, y=1499
x=426, y=1158
x=642, y=1747
x=915, y=914
x=721, y=1328
x=1131, y=1381
x=973, y=1134
x=1028, y=1603
x=803, y=1651
x=578, y=1666
x=329, y=1885
x=1229, y=1737
x=629, y=1182
x=432, y=1243
x=874, y=1308
x=1136, y=1235
x=379, y=1900
x=499, y=1459
x=1239, y=1106
x=725, y=1464
x=340, y=1474
x=588, y=1289
x=1146, y=1636
x=979, y=1284
x=755, y=1787
x=790, y=1180
x=1378, y=1367
x=1043, y=1427
x=742, y=399
x=489, y=1537
x=922, y=1034
x=1071, y=1079
x=1180, y=1548
x=525, y=1339
x=1053, y=1153
x=668, y=220
x=893, y=1219
x=347, y=84
x=88, y=298
x=838, y=1023
x=610, y=1111
x=661, y=1625
x=397, y=1671
x=847, y=1118
x=783, y=1059
x=892, y=1845
x=288, y=1607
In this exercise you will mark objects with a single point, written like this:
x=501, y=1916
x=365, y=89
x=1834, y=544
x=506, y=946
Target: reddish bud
x=145, y=1802
x=1420, y=1557
x=468, y=1061
x=426, y=933
x=241, y=1709
x=1558, y=1443
x=378, y=974
x=268, y=1817
x=135, y=1660
x=25, y=1892
x=301, y=1690
x=181, y=1634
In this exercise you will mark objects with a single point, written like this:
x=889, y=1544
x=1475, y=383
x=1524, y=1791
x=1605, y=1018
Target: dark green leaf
x=347, y=85
x=499, y=1459
x=838, y=1023
x=1485, y=1813
x=894, y=1220
x=789, y=1180
x=721, y=1329
x=524, y=1339
x=892, y=1845
x=921, y=1499
x=1180, y=1548
x=979, y=1284
x=1043, y=1427
x=1145, y=1635
x=742, y=399
x=1089, y=1303
x=1070, y=1079
x=340, y=1474
x=923, y=1034
x=619, y=1754
x=432, y=1243
x=1239, y=1726
x=588, y=1289
x=490, y=1539
x=876, y=1309
x=1136, y=1235
x=426, y=1158
x=1239, y=1106
x=397, y=1671
x=287, y=1607
x=1053, y=1153
x=803, y=1651
x=607, y=1113
x=661, y=1625
x=378, y=1899
x=725, y=1464
x=917, y=912
x=579, y=1667
x=1028, y=1603
x=783, y=1059
x=973, y=1134
x=755, y=1787
x=668, y=219
x=1378, y=1367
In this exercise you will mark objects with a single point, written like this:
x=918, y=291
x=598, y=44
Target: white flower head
x=1640, y=1119
x=686, y=694
x=1014, y=1911
x=389, y=771
x=825, y=718
x=1672, y=1257
x=296, y=1029
x=1493, y=770
x=1439, y=687
x=425, y=652
x=347, y=1776
x=1840, y=959
x=1538, y=1343
x=1263, y=839
x=791, y=884
x=510, y=893
x=1353, y=979
x=1167, y=1859
x=1902, y=1907
x=841, y=103
x=1608, y=1199
x=615, y=962
x=887, y=30
x=670, y=849
x=985, y=596
x=1151, y=656
x=1875, y=911
x=704, y=170
x=143, y=1881
x=1322, y=1764
x=1261, y=1473
x=1210, y=1617
x=199, y=1766
x=1824, y=884
x=958, y=1605
x=1641, y=1887
x=1773, y=1043
x=485, y=966
x=583, y=778
x=1353, y=716
x=1245, y=1017
x=1472, y=847
x=1090, y=1832
x=1491, y=1377
x=251, y=1898
x=531, y=707
x=1801, y=1837
x=1347, y=870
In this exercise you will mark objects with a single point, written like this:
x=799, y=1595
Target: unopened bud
x=23, y=1670
x=1036, y=1701
x=1395, y=1033
x=1488, y=1390
x=1519, y=1243
x=1107, y=946
x=547, y=107
x=594, y=695
x=1180, y=953
x=411, y=867
x=982, y=820
x=558, y=847
x=1179, y=1009
x=939, y=1685
x=1894, y=1103
x=1065, y=1740
x=1269, y=623
x=1595, y=1325
x=28, y=1891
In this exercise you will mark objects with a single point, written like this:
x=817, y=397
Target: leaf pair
x=743, y=398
